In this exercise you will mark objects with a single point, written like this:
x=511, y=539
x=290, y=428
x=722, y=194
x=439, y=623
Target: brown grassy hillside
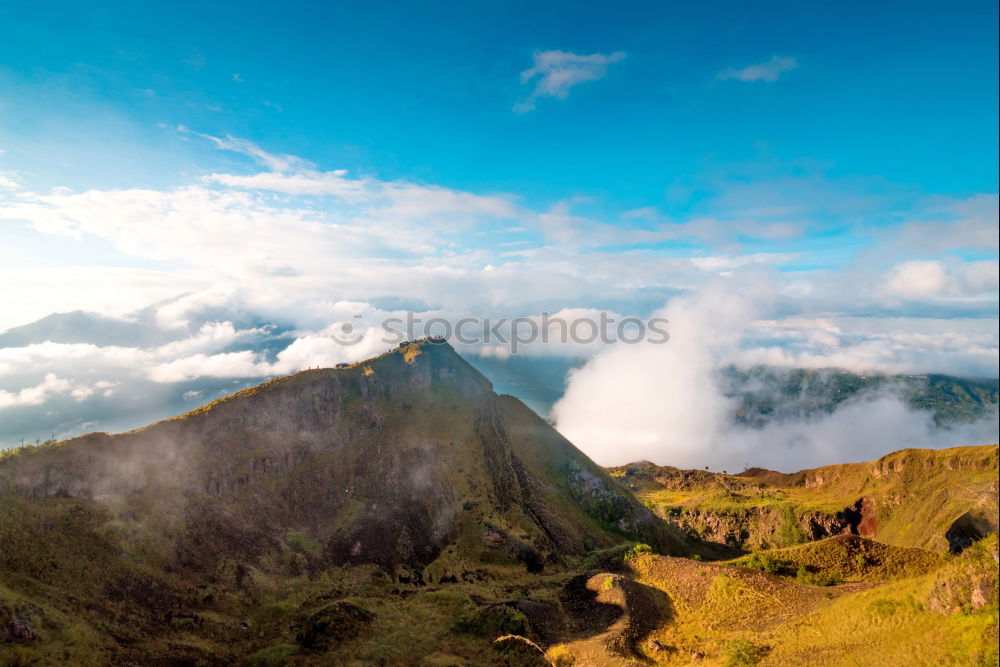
x=910, y=498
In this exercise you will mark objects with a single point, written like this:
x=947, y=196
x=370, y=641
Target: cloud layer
x=665, y=403
x=244, y=273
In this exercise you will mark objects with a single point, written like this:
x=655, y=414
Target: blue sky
x=903, y=91
x=206, y=170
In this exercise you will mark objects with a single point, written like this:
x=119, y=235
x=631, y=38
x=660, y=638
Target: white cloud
x=664, y=402
x=272, y=161
x=947, y=224
x=929, y=279
x=558, y=72
x=291, y=244
x=33, y=292
x=917, y=279
x=50, y=386
x=769, y=70
x=9, y=181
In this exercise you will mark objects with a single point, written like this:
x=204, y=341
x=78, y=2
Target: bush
x=331, y=624
x=769, y=564
x=273, y=656
x=884, y=607
x=607, y=559
x=492, y=621
x=638, y=550
x=805, y=575
x=789, y=532
x=742, y=652
x=303, y=543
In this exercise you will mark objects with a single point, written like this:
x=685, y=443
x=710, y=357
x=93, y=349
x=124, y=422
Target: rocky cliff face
x=934, y=499
x=755, y=528
x=401, y=461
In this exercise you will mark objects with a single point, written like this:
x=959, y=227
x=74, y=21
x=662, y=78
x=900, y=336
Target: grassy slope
x=91, y=582
x=917, y=493
x=722, y=614
x=844, y=558
x=176, y=572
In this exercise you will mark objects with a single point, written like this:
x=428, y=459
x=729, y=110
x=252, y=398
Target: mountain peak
x=406, y=460
x=424, y=363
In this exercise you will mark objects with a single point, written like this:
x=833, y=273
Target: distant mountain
x=539, y=381
x=140, y=329
x=766, y=394
x=81, y=327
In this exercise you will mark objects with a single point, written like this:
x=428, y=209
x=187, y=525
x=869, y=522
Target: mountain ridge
x=404, y=409
x=935, y=499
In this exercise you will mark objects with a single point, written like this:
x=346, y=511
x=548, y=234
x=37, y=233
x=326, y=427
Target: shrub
x=491, y=621
x=805, y=575
x=607, y=559
x=331, y=624
x=303, y=543
x=789, y=532
x=638, y=550
x=884, y=607
x=273, y=656
x=743, y=652
x=768, y=563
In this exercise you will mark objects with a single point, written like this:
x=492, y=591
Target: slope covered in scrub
x=935, y=499
x=408, y=465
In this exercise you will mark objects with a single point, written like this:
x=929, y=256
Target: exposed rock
x=17, y=624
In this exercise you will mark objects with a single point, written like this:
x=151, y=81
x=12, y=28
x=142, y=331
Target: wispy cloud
x=274, y=162
x=557, y=72
x=8, y=180
x=768, y=71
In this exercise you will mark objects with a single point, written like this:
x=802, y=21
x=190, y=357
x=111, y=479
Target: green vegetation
x=909, y=498
x=490, y=621
x=638, y=550
x=813, y=577
x=303, y=543
x=13, y=452
x=397, y=511
x=944, y=615
x=847, y=558
x=743, y=653
x=789, y=532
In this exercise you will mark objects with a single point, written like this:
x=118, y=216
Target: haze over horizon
x=221, y=189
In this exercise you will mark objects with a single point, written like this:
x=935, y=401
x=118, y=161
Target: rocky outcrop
x=969, y=582
x=754, y=527
x=909, y=498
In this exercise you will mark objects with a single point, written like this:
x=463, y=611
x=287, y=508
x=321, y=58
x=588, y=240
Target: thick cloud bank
x=665, y=403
